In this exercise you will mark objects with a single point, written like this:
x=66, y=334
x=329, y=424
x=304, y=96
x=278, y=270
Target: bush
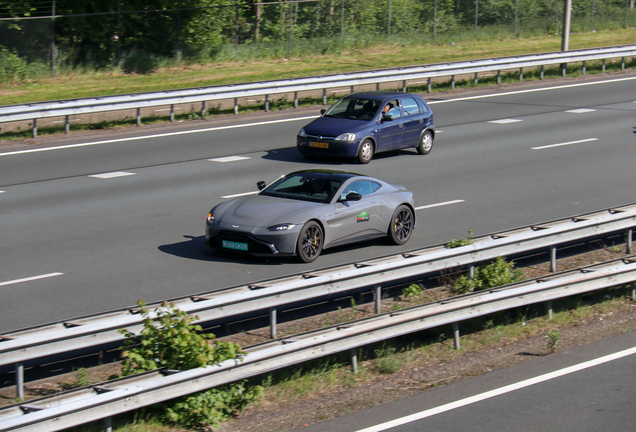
x=12, y=67
x=497, y=273
x=170, y=341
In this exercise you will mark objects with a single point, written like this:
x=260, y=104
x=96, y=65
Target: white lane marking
x=32, y=278
x=505, y=121
x=153, y=136
x=228, y=159
x=240, y=195
x=531, y=90
x=112, y=174
x=565, y=143
x=580, y=110
x=439, y=204
x=500, y=391
x=2, y=191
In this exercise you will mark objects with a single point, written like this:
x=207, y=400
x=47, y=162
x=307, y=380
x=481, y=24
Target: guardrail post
x=377, y=294
x=203, y=109
x=476, y=80
x=267, y=103
x=584, y=68
x=453, y=82
x=634, y=290
x=471, y=272
x=324, y=96
x=456, y=335
x=549, y=303
x=498, y=77
x=564, y=68
x=67, y=127
x=520, y=74
x=108, y=425
x=171, y=113
x=35, y=128
x=235, y=106
x=628, y=241
x=404, y=85
x=429, y=85
x=272, y=323
x=623, y=63
x=296, y=99
x=352, y=89
x=603, y=65
x=552, y=259
x=19, y=381
x=138, y=116
x=542, y=70
x=377, y=87
x=354, y=361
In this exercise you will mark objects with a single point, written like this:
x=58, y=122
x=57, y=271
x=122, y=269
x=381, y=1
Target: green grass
x=71, y=84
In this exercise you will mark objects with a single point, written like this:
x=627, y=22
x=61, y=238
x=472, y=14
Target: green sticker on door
x=363, y=217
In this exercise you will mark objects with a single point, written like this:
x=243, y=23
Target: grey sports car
x=304, y=212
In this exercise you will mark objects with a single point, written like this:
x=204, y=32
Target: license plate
x=235, y=245
x=318, y=144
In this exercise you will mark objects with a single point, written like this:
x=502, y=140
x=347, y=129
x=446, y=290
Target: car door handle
x=401, y=125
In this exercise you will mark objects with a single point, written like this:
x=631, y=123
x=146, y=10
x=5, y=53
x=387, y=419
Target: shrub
x=170, y=341
x=498, y=273
x=461, y=242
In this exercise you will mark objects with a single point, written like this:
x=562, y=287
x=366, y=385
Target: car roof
x=380, y=95
x=327, y=173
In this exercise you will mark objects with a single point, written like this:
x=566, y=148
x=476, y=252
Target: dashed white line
x=112, y=175
x=228, y=159
x=505, y=121
x=565, y=143
x=439, y=204
x=28, y=279
x=498, y=392
x=240, y=195
x=581, y=110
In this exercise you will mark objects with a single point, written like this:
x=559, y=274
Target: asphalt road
x=585, y=389
x=74, y=242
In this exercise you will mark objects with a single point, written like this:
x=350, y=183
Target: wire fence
x=54, y=34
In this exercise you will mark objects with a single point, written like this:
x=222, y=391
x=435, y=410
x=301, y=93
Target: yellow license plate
x=318, y=144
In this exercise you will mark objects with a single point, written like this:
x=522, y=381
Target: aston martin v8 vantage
x=304, y=212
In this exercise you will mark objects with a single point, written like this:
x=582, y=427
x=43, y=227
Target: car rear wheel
x=426, y=143
x=402, y=225
x=310, y=242
x=365, y=154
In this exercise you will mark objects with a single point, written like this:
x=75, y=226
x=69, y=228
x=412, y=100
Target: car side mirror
x=261, y=185
x=352, y=196
x=387, y=117
x=323, y=111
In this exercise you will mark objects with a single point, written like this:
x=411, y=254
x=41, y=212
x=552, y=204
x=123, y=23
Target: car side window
x=363, y=187
x=423, y=107
x=394, y=110
x=410, y=106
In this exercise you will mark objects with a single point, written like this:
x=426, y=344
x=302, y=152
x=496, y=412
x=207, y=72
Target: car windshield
x=313, y=187
x=354, y=108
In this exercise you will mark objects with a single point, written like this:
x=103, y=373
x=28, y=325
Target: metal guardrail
x=65, y=108
x=32, y=343
x=109, y=398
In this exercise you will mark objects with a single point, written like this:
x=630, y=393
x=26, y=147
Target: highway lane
x=138, y=236
x=585, y=389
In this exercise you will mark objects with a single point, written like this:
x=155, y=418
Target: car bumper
x=280, y=244
x=334, y=148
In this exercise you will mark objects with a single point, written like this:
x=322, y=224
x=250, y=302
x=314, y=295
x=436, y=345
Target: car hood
x=263, y=211
x=332, y=126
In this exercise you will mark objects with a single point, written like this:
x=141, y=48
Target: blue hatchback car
x=362, y=124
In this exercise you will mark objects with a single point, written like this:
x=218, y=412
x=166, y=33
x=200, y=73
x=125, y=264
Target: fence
x=35, y=111
x=101, y=401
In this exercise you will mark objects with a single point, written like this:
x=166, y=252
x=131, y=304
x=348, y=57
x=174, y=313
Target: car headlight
x=281, y=227
x=301, y=133
x=346, y=137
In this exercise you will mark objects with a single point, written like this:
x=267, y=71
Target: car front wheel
x=426, y=143
x=365, y=154
x=310, y=242
x=402, y=225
